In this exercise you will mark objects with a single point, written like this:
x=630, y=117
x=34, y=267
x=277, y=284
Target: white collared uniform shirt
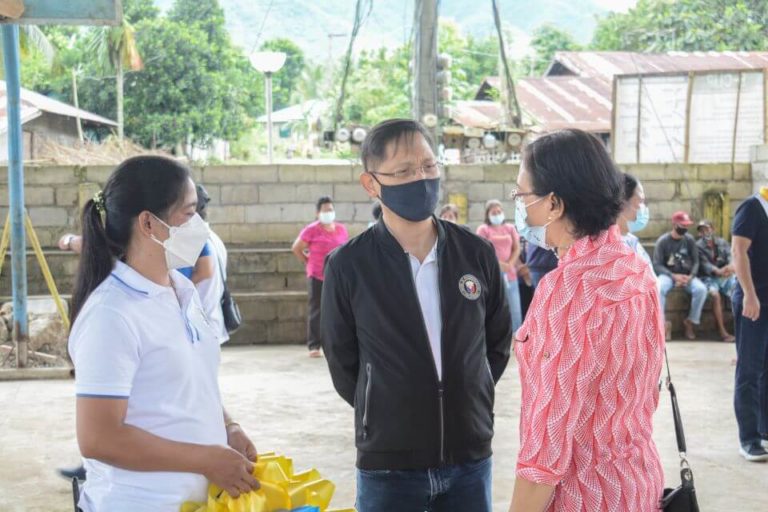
x=425, y=277
x=135, y=340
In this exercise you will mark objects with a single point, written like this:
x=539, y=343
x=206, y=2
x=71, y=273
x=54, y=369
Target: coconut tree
x=115, y=50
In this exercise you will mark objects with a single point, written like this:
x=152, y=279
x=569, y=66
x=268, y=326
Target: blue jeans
x=513, y=297
x=463, y=487
x=750, y=395
x=695, y=289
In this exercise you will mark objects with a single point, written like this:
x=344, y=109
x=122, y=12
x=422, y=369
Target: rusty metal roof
x=606, y=65
x=576, y=89
x=488, y=115
x=34, y=104
x=566, y=102
x=548, y=103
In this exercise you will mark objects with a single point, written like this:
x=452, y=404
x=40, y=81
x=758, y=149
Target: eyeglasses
x=432, y=170
x=517, y=194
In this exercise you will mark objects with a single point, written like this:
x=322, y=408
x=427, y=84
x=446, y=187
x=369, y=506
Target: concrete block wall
x=259, y=210
x=268, y=205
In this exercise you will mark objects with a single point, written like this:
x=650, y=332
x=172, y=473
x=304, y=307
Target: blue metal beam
x=16, y=191
x=71, y=12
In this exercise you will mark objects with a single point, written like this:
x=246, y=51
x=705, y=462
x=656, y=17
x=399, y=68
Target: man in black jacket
x=416, y=330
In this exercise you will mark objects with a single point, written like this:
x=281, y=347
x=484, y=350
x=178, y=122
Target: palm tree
x=32, y=40
x=310, y=85
x=115, y=49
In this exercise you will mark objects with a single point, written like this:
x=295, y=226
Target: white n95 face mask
x=185, y=242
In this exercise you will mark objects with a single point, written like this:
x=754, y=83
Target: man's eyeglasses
x=432, y=170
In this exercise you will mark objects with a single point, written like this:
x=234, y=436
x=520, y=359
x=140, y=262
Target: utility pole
x=331, y=37
x=425, y=100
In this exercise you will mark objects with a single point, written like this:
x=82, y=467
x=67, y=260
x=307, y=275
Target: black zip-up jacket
x=376, y=344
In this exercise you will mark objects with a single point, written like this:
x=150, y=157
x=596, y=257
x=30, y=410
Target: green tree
x=179, y=98
x=115, y=49
x=473, y=59
x=545, y=41
x=685, y=25
x=378, y=86
x=207, y=15
x=285, y=81
x=310, y=84
x=137, y=10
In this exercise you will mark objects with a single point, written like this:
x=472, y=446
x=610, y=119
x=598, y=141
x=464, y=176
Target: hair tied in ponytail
x=98, y=201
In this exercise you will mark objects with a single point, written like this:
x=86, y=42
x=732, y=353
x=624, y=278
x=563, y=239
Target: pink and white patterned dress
x=590, y=354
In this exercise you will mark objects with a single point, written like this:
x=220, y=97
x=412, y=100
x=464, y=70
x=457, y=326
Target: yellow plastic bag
x=281, y=490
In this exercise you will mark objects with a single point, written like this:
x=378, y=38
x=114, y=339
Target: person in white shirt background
x=212, y=289
x=150, y=422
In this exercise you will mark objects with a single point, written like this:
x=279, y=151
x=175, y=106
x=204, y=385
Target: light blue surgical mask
x=497, y=220
x=639, y=224
x=537, y=235
x=326, y=217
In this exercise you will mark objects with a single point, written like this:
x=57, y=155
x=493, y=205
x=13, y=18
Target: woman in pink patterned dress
x=590, y=350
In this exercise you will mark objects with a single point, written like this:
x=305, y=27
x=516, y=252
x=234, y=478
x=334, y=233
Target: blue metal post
x=16, y=191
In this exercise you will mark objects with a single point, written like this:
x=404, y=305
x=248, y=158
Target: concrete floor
x=287, y=403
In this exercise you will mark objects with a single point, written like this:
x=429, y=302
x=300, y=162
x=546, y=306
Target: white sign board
x=661, y=127
x=713, y=116
x=626, y=116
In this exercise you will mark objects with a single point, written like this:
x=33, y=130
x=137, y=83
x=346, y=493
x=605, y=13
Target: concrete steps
x=268, y=317
x=269, y=285
x=250, y=270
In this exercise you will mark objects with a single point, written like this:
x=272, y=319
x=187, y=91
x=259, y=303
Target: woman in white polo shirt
x=150, y=422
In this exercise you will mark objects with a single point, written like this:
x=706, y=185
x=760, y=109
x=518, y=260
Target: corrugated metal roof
x=311, y=109
x=566, y=102
x=33, y=104
x=488, y=115
x=606, y=65
x=576, y=89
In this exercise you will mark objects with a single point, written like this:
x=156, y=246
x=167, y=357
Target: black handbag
x=683, y=497
x=232, y=318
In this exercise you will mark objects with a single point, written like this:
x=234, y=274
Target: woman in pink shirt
x=590, y=350
x=311, y=247
x=506, y=241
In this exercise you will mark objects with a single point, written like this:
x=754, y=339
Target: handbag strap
x=220, y=264
x=679, y=433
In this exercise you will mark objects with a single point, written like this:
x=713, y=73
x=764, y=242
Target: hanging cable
x=362, y=11
x=261, y=28
x=516, y=119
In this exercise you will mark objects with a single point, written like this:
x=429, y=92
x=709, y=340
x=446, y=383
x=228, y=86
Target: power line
x=362, y=11
x=261, y=28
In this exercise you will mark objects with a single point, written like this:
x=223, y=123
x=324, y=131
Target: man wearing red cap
x=676, y=262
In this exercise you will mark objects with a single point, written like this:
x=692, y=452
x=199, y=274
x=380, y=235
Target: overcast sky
x=617, y=5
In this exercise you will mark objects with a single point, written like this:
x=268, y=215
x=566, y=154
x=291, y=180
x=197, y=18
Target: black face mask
x=680, y=230
x=415, y=201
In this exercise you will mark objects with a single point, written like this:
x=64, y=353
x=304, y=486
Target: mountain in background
x=308, y=22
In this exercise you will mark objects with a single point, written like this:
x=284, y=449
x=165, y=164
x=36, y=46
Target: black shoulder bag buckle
x=683, y=497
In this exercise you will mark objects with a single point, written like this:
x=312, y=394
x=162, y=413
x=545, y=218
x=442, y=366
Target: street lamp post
x=268, y=63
